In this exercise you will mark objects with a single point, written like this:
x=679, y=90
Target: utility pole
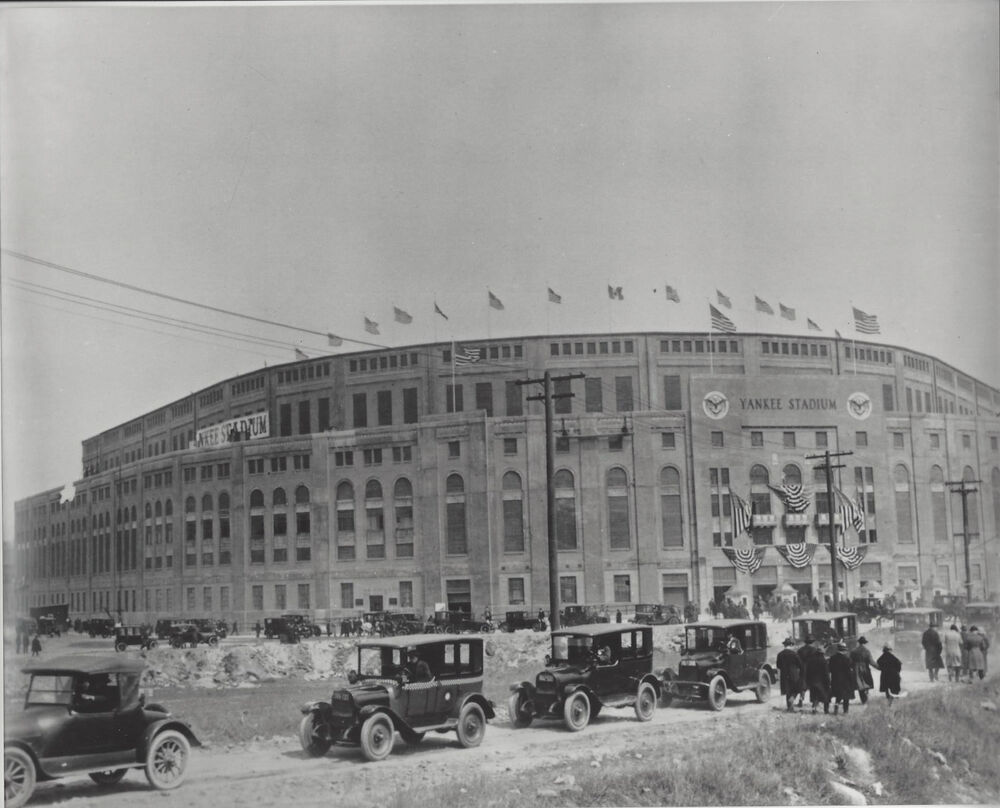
x=550, y=491
x=959, y=486
x=828, y=467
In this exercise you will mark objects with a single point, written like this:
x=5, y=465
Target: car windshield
x=571, y=647
x=705, y=638
x=50, y=689
x=911, y=622
x=378, y=661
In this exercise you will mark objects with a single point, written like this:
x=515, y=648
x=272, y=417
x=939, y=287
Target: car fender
x=157, y=727
x=527, y=688
x=711, y=673
x=654, y=681
x=482, y=701
x=40, y=774
x=369, y=710
x=321, y=708
x=771, y=671
x=581, y=687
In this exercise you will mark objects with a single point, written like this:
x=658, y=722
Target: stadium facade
x=408, y=477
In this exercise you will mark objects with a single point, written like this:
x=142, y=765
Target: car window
x=705, y=638
x=571, y=648
x=50, y=689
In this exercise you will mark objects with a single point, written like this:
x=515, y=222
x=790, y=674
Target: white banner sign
x=248, y=427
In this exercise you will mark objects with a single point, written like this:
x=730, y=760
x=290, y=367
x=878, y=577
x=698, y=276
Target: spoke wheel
x=120, y=645
x=576, y=711
x=377, y=737
x=763, y=689
x=519, y=716
x=717, y=693
x=18, y=777
x=108, y=778
x=167, y=759
x=645, y=702
x=313, y=736
x=471, y=725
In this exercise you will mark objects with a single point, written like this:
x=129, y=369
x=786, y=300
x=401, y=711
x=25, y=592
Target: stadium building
x=404, y=478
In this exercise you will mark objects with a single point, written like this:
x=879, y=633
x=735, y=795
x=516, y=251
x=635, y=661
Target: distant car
x=101, y=627
x=583, y=615
x=456, y=622
x=291, y=627
x=84, y=715
x=828, y=629
x=590, y=667
x=396, y=623
x=380, y=700
x=909, y=625
x=127, y=636
x=983, y=614
x=658, y=614
x=163, y=626
x=719, y=656
x=188, y=634
x=513, y=621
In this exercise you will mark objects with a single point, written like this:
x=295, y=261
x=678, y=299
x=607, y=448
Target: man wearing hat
x=841, y=678
x=416, y=669
x=817, y=674
x=863, y=662
x=890, y=680
x=790, y=673
x=806, y=650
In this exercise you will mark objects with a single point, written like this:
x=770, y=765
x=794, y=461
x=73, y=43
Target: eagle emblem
x=859, y=405
x=715, y=404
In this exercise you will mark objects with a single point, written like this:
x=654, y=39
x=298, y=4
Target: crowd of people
x=961, y=652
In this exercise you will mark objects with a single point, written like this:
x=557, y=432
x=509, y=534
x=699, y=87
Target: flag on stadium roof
x=464, y=355
x=719, y=320
x=401, y=316
x=786, y=312
x=300, y=354
x=672, y=294
x=865, y=323
x=553, y=297
x=615, y=292
x=495, y=301
x=371, y=326
x=812, y=325
x=723, y=299
x=762, y=305
x=437, y=310
x=334, y=340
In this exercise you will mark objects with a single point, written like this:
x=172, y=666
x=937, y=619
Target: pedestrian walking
x=977, y=644
x=953, y=653
x=841, y=678
x=618, y=616
x=818, y=679
x=863, y=662
x=256, y=629
x=790, y=673
x=931, y=641
x=890, y=681
x=234, y=629
x=36, y=647
x=965, y=654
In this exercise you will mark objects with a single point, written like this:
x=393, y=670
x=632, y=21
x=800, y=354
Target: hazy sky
x=315, y=165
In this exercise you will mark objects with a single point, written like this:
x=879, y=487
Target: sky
x=311, y=166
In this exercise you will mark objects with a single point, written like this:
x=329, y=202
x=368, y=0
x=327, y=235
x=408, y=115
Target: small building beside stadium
x=406, y=478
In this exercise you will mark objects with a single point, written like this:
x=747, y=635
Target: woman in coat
x=841, y=678
x=977, y=645
x=863, y=662
x=890, y=681
x=953, y=653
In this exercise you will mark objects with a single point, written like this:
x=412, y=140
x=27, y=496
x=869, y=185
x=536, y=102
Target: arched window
x=224, y=502
x=939, y=515
x=301, y=495
x=402, y=500
x=670, y=507
x=760, y=500
x=456, y=538
x=374, y=520
x=256, y=498
x=904, y=518
x=148, y=510
x=190, y=505
x=513, y=513
x=158, y=509
x=791, y=474
x=619, y=535
x=256, y=526
x=168, y=509
x=278, y=498
x=565, y=488
x=206, y=502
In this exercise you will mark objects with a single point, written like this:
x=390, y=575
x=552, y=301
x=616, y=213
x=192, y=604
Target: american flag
x=719, y=320
x=723, y=299
x=852, y=512
x=787, y=312
x=812, y=325
x=762, y=305
x=495, y=302
x=793, y=496
x=464, y=355
x=865, y=323
x=554, y=298
x=742, y=515
x=672, y=294
x=371, y=326
x=401, y=316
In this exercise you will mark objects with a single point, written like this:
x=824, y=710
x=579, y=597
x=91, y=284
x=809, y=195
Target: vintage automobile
x=828, y=629
x=908, y=626
x=583, y=615
x=590, y=667
x=101, y=627
x=657, y=614
x=380, y=701
x=397, y=623
x=456, y=622
x=290, y=627
x=515, y=621
x=188, y=634
x=126, y=636
x=84, y=714
x=983, y=614
x=719, y=656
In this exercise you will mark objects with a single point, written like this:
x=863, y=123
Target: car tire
x=505, y=628
x=673, y=621
x=18, y=777
x=377, y=737
x=213, y=641
x=120, y=646
x=576, y=711
x=314, y=742
x=167, y=759
x=645, y=702
x=108, y=778
x=485, y=628
x=763, y=689
x=717, y=693
x=519, y=717
x=471, y=725
x=151, y=644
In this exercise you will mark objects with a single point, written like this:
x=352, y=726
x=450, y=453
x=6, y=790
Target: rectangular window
x=515, y=591
x=788, y=440
x=285, y=420
x=567, y=589
x=821, y=440
x=668, y=440
x=346, y=596
x=623, y=393
x=280, y=599
x=888, y=398
x=257, y=596
x=756, y=439
x=897, y=440
x=206, y=597
x=360, y=409
x=454, y=449
x=453, y=398
x=409, y=405
x=190, y=599
x=935, y=440
x=513, y=525
x=343, y=458
x=324, y=414
x=717, y=441
x=372, y=457
x=484, y=397
x=406, y=594
x=384, y=401
x=515, y=401
x=455, y=526
x=594, y=393
x=623, y=589
x=510, y=446
x=562, y=444
x=304, y=596
x=966, y=441
x=563, y=400
x=672, y=393
x=305, y=418
x=861, y=439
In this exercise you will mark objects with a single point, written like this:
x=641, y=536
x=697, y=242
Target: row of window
x=595, y=348
x=275, y=463
x=698, y=346
x=383, y=362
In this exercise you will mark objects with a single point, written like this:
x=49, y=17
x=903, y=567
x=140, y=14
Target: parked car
x=719, y=656
x=101, y=627
x=658, y=614
x=983, y=614
x=518, y=620
x=397, y=623
x=49, y=626
x=446, y=622
x=828, y=629
x=183, y=634
x=909, y=625
x=292, y=626
x=583, y=615
x=84, y=714
x=379, y=701
x=590, y=667
x=126, y=636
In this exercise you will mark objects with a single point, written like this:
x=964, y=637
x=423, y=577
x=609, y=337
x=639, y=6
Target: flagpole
x=452, y=374
x=854, y=346
x=711, y=353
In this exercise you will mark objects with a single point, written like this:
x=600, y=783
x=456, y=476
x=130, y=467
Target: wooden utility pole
x=828, y=467
x=959, y=486
x=550, y=491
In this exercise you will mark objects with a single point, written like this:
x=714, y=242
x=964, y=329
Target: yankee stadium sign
x=247, y=427
x=788, y=403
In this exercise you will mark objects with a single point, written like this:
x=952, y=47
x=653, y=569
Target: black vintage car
x=290, y=627
x=827, y=629
x=84, y=715
x=590, y=667
x=381, y=700
x=188, y=634
x=718, y=656
x=444, y=622
x=127, y=636
x=657, y=614
x=101, y=627
x=584, y=615
x=513, y=621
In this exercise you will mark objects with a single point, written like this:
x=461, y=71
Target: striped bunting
x=793, y=496
x=798, y=555
x=851, y=557
x=747, y=561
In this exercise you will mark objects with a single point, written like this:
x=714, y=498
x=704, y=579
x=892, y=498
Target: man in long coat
x=890, y=682
x=841, y=678
x=817, y=675
x=863, y=662
x=931, y=641
x=977, y=644
x=953, y=653
x=790, y=672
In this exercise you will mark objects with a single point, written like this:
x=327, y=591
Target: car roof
x=597, y=629
x=823, y=616
x=406, y=640
x=982, y=604
x=88, y=663
x=916, y=610
x=724, y=623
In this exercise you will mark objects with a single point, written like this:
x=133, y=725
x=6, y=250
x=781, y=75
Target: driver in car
x=416, y=669
x=734, y=646
x=92, y=694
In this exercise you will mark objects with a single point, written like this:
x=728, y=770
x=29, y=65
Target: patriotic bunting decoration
x=851, y=557
x=747, y=561
x=464, y=355
x=793, y=497
x=798, y=555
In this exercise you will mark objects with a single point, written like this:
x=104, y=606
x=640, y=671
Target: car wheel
x=717, y=693
x=18, y=777
x=108, y=778
x=167, y=759
x=151, y=644
x=471, y=725
x=645, y=702
x=377, y=737
x=315, y=741
x=519, y=717
x=120, y=645
x=213, y=641
x=763, y=689
x=673, y=621
x=485, y=628
x=576, y=711
x=505, y=628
